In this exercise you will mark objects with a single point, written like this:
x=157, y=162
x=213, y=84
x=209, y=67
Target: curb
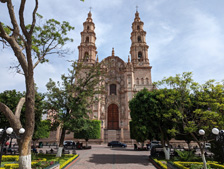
x=70, y=164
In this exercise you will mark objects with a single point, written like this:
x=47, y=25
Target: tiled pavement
x=103, y=157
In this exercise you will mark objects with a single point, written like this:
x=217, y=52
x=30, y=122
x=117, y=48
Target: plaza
x=103, y=157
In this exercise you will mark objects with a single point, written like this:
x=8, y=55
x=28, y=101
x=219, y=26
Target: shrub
x=185, y=156
x=68, y=161
x=10, y=158
x=160, y=163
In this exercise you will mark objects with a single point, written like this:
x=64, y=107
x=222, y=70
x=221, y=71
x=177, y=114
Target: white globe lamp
x=202, y=132
x=9, y=130
x=215, y=131
x=21, y=131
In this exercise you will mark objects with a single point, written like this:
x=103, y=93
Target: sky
x=183, y=36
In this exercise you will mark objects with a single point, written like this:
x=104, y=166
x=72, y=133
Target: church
x=124, y=80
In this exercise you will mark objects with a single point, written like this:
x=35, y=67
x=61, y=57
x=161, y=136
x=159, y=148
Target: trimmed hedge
x=12, y=166
x=182, y=165
x=160, y=163
x=68, y=161
x=10, y=158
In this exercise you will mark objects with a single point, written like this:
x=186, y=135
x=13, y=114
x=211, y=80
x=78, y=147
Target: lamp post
x=5, y=135
x=220, y=138
x=202, y=133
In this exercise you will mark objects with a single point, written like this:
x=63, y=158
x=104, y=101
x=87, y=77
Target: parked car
x=157, y=150
x=116, y=144
x=69, y=143
x=153, y=143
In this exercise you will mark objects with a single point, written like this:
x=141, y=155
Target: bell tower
x=87, y=47
x=139, y=48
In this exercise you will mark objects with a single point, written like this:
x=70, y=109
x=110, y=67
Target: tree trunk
x=25, y=141
x=166, y=152
x=142, y=144
x=25, y=162
x=61, y=146
x=59, y=152
x=86, y=143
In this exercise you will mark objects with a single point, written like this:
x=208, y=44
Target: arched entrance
x=113, y=117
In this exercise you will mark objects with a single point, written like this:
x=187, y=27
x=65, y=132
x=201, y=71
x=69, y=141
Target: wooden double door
x=113, y=117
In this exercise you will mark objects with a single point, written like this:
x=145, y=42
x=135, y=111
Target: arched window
x=139, y=56
x=139, y=39
x=137, y=81
x=147, y=81
x=113, y=89
x=87, y=27
x=87, y=39
x=138, y=27
x=86, y=56
x=142, y=80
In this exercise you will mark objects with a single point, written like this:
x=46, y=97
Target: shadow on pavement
x=119, y=159
x=124, y=149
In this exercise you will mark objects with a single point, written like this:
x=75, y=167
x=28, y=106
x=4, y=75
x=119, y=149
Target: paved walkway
x=103, y=157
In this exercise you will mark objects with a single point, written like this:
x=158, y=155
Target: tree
x=30, y=45
x=42, y=131
x=139, y=125
x=73, y=98
x=90, y=130
x=153, y=114
x=199, y=106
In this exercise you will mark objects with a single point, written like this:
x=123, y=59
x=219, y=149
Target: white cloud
x=182, y=36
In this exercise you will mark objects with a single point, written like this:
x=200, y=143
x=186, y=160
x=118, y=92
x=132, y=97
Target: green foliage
x=139, y=133
x=11, y=99
x=73, y=98
x=198, y=166
x=217, y=150
x=50, y=37
x=42, y=130
x=185, y=156
x=90, y=130
x=199, y=106
x=164, y=166
x=153, y=115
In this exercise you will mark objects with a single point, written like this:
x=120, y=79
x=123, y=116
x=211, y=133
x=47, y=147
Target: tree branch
x=34, y=17
x=14, y=122
x=3, y=1
x=13, y=18
x=19, y=107
x=21, y=18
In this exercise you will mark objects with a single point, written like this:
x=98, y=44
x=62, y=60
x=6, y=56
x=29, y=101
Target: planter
x=70, y=162
x=171, y=166
x=54, y=166
x=154, y=163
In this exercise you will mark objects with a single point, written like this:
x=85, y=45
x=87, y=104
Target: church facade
x=124, y=80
